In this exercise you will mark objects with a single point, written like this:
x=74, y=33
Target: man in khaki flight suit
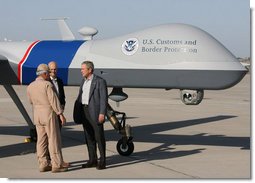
x=46, y=107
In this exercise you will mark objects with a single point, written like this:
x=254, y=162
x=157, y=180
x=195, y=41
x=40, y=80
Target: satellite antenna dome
x=88, y=32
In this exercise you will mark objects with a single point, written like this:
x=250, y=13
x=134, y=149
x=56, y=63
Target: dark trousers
x=60, y=123
x=94, y=135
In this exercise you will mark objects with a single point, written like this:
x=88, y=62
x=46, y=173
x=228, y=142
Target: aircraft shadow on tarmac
x=144, y=133
x=148, y=134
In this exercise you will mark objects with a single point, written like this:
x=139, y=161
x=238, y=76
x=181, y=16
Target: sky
x=226, y=20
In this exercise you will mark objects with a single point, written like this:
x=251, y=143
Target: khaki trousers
x=49, y=143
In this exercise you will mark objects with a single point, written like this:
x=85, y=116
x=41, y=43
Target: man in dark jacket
x=94, y=98
x=57, y=83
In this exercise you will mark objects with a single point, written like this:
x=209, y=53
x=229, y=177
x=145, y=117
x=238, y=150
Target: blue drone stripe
x=61, y=52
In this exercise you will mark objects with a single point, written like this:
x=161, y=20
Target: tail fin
x=65, y=31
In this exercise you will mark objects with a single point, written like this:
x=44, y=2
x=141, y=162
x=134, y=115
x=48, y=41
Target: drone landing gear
x=125, y=145
x=18, y=103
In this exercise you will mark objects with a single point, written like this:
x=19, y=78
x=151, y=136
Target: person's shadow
x=151, y=134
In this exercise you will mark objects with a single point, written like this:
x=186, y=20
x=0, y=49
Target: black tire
x=125, y=151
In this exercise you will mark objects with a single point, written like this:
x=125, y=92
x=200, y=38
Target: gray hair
x=41, y=69
x=89, y=64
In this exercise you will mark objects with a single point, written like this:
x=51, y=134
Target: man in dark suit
x=94, y=98
x=57, y=83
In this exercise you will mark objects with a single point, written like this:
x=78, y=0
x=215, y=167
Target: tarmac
x=172, y=140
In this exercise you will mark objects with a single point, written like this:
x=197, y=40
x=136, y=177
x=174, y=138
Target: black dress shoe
x=101, y=165
x=89, y=165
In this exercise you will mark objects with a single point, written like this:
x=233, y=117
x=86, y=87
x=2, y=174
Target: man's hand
x=63, y=119
x=101, y=118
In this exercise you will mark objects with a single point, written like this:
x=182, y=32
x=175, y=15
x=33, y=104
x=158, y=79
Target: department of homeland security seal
x=130, y=46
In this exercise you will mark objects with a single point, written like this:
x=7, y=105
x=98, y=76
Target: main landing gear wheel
x=125, y=148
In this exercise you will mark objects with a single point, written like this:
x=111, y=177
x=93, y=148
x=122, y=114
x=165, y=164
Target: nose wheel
x=125, y=147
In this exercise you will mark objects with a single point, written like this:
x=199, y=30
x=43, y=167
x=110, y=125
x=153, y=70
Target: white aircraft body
x=171, y=56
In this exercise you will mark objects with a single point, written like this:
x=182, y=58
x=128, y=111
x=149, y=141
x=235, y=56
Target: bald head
x=53, y=67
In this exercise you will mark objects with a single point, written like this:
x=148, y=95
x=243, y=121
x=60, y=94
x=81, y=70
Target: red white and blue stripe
x=39, y=52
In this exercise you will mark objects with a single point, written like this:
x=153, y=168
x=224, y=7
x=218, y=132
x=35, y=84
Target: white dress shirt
x=86, y=90
x=55, y=83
